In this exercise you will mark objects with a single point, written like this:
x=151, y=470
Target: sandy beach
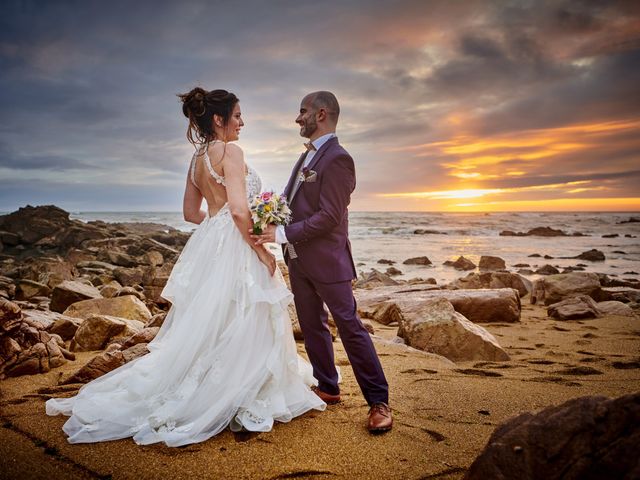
x=444, y=412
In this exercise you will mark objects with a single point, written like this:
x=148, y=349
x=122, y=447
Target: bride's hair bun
x=200, y=105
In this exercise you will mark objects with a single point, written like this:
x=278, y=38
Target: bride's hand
x=269, y=259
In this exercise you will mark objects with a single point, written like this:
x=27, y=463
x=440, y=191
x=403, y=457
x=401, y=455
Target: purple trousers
x=309, y=297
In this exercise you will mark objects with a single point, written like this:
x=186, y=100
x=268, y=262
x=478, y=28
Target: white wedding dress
x=225, y=355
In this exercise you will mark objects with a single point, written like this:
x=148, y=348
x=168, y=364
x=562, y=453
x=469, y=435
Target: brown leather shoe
x=327, y=398
x=380, y=419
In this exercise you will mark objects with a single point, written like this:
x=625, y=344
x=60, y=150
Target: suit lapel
x=294, y=175
x=316, y=158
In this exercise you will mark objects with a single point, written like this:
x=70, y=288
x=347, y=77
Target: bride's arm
x=234, y=174
x=191, y=203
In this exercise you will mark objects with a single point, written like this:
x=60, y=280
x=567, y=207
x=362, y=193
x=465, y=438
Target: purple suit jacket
x=319, y=228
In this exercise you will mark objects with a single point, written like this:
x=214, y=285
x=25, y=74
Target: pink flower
x=266, y=196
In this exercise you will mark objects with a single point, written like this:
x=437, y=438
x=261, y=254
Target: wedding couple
x=225, y=354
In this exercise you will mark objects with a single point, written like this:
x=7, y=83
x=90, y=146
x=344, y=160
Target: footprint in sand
x=626, y=365
x=437, y=436
x=540, y=361
x=493, y=365
x=558, y=380
x=477, y=372
x=560, y=329
x=579, y=370
x=416, y=371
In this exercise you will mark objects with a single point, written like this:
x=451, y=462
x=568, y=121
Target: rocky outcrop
x=592, y=255
x=587, y=438
x=70, y=292
x=491, y=280
x=461, y=264
x=554, y=288
x=547, y=270
x=385, y=313
x=128, y=307
x=540, y=232
x=434, y=326
x=479, y=306
x=613, y=307
x=574, y=308
x=25, y=349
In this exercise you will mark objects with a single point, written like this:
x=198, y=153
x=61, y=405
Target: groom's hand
x=268, y=235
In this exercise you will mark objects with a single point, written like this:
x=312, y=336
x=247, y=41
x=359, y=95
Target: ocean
x=390, y=235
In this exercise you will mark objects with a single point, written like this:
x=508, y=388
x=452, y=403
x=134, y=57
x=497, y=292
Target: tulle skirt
x=224, y=356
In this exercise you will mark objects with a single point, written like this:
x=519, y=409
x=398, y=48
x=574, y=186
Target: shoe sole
x=379, y=430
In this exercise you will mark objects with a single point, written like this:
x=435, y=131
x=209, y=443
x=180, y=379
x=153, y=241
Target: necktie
x=310, y=146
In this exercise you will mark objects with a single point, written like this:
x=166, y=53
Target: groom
x=318, y=253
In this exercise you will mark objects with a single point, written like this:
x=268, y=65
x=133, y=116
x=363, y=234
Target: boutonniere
x=307, y=175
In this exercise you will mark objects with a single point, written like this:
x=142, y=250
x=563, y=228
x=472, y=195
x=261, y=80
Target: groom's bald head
x=327, y=101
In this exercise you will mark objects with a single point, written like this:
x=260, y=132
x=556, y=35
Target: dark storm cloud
x=88, y=88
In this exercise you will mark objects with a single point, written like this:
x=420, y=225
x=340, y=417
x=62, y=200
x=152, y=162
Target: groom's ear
x=322, y=114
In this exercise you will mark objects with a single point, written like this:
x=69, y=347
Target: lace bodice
x=253, y=181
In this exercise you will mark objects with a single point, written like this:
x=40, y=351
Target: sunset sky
x=446, y=105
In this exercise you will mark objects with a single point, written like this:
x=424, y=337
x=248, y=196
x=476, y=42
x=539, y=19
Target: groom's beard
x=308, y=128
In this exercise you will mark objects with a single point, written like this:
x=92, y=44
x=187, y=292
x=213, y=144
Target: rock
x=491, y=263
x=613, y=307
x=417, y=261
x=592, y=255
x=554, y=288
x=110, y=289
x=392, y=271
x=103, y=363
x=575, y=308
x=384, y=261
x=384, y=313
x=10, y=315
x=631, y=220
x=522, y=265
x=157, y=320
x=153, y=258
x=130, y=291
x=70, y=292
x=26, y=289
x=585, y=438
x=129, y=276
x=479, y=306
x=434, y=326
x=547, y=270
x=534, y=255
x=537, y=231
x=145, y=335
x=369, y=327
x=422, y=231
x=99, y=330
x=40, y=319
x=494, y=280
x=525, y=271
x=65, y=326
x=622, y=294
x=373, y=279
x=610, y=235
x=135, y=351
x=461, y=264
x=128, y=307
x=121, y=259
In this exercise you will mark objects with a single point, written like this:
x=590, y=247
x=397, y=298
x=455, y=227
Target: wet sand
x=444, y=413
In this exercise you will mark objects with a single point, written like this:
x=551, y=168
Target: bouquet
x=269, y=207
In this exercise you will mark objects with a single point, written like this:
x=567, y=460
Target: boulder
x=70, y=292
x=417, y=261
x=622, y=294
x=488, y=262
x=130, y=291
x=384, y=261
x=434, y=326
x=127, y=306
x=129, y=276
x=554, y=288
x=479, y=306
x=585, y=438
x=99, y=330
x=121, y=259
x=10, y=315
x=494, y=280
x=574, y=308
x=135, y=351
x=153, y=258
x=26, y=289
x=65, y=326
x=461, y=264
x=613, y=307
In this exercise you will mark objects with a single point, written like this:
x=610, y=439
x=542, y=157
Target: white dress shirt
x=281, y=236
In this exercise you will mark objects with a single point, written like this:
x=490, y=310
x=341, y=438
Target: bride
x=225, y=354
